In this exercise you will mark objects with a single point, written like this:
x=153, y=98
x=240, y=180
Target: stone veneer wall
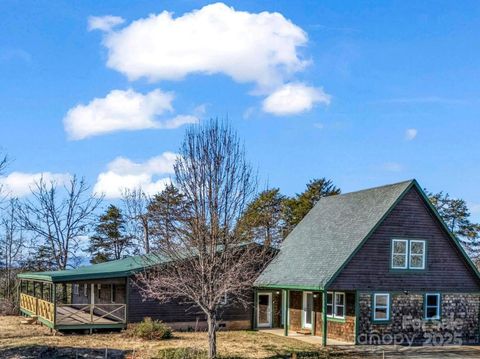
x=458, y=324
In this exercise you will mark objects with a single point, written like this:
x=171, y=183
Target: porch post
x=92, y=302
x=54, y=300
x=255, y=308
x=324, y=318
x=314, y=314
x=285, y=312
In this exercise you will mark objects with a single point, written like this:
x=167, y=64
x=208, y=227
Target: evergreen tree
x=110, y=240
x=164, y=211
x=41, y=260
x=263, y=220
x=297, y=207
x=456, y=215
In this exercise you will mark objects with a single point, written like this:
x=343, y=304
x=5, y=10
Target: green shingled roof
x=113, y=269
x=324, y=240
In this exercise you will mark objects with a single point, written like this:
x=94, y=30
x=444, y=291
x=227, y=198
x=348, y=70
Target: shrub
x=151, y=329
x=182, y=353
x=8, y=307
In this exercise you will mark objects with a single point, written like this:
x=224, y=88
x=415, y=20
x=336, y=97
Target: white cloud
x=410, y=134
x=123, y=173
x=249, y=47
x=122, y=111
x=294, y=98
x=19, y=184
x=104, y=23
x=393, y=167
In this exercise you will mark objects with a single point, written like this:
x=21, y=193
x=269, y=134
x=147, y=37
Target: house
x=105, y=296
x=373, y=266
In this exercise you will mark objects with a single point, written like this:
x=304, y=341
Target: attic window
x=408, y=254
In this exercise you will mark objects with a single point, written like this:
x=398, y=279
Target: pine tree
x=110, y=240
x=455, y=213
x=297, y=207
x=263, y=220
x=164, y=211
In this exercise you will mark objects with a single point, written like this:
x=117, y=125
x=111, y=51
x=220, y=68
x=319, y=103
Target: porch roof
x=322, y=243
x=113, y=269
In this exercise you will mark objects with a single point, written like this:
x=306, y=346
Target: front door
x=307, y=310
x=264, y=311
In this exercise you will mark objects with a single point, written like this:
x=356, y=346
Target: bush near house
x=151, y=330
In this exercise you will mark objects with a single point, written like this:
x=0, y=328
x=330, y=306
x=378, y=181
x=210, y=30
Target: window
x=224, y=300
x=75, y=289
x=330, y=304
x=336, y=304
x=339, y=305
x=408, y=254
x=85, y=290
x=113, y=293
x=432, y=306
x=381, y=306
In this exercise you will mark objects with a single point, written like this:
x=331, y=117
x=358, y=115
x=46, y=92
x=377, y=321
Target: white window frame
x=334, y=305
x=85, y=290
x=408, y=254
x=75, y=289
x=436, y=317
x=375, y=306
x=405, y=255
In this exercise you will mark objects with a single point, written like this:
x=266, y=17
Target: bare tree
x=59, y=217
x=12, y=242
x=208, y=261
x=135, y=203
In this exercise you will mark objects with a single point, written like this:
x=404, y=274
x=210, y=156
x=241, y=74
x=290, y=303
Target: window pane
x=416, y=261
x=329, y=298
x=381, y=300
x=432, y=300
x=399, y=261
x=329, y=309
x=399, y=247
x=381, y=313
x=339, y=310
x=416, y=247
x=432, y=312
x=339, y=299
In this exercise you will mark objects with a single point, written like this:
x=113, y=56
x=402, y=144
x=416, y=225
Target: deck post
x=324, y=318
x=54, y=300
x=285, y=312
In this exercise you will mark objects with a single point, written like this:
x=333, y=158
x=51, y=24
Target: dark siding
x=175, y=311
x=446, y=270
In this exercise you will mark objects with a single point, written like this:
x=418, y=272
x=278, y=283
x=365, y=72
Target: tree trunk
x=212, y=335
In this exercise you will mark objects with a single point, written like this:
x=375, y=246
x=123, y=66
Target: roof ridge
x=371, y=188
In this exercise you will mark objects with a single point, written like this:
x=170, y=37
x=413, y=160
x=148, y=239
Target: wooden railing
x=79, y=314
x=37, y=306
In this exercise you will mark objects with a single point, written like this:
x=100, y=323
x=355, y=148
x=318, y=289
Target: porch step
x=30, y=320
x=304, y=331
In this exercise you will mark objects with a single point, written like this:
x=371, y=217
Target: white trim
x=304, y=311
x=426, y=306
x=387, y=307
x=85, y=290
x=76, y=289
x=398, y=254
x=269, y=311
x=410, y=253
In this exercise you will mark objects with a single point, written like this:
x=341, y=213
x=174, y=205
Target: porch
x=75, y=305
x=307, y=314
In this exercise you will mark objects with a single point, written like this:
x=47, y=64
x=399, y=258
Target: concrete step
x=304, y=331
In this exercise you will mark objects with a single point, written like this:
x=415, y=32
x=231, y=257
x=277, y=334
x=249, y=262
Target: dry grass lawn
x=33, y=341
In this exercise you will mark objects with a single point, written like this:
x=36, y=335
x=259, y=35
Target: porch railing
x=38, y=307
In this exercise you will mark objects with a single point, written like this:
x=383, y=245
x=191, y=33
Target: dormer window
x=408, y=254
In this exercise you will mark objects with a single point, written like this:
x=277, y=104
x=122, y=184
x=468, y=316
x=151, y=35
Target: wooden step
x=304, y=331
x=30, y=320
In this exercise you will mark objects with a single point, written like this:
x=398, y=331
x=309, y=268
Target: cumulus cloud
x=122, y=111
x=294, y=98
x=19, y=184
x=104, y=23
x=410, y=134
x=123, y=173
x=261, y=48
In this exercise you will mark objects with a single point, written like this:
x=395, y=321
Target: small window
x=224, y=299
x=330, y=304
x=339, y=305
x=408, y=254
x=113, y=293
x=381, y=306
x=85, y=290
x=75, y=289
x=432, y=306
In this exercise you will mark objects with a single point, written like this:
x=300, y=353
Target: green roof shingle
x=324, y=240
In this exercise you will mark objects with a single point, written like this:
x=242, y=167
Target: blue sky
x=364, y=93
